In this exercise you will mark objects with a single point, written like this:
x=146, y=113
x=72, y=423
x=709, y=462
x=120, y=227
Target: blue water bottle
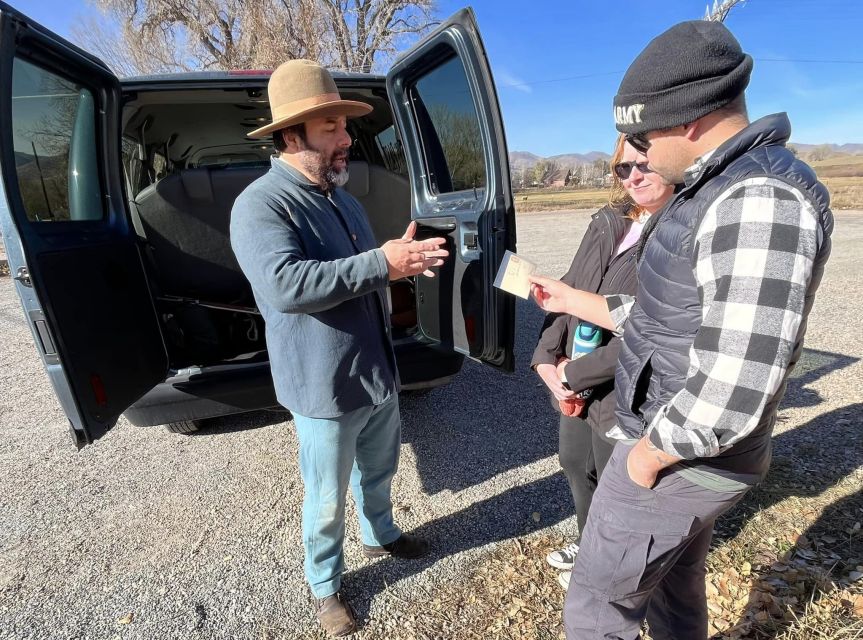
x=585, y=339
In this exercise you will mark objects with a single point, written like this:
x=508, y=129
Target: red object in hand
x=571, y=407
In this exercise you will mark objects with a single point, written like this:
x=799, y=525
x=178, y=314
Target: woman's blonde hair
x=619, y=198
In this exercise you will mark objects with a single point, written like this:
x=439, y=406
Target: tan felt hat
x=300, y=90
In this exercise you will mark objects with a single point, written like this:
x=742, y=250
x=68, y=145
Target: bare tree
x=821, y=152
x=364, y=28
x=720, y=9
x=544, y=170
x=152, y=36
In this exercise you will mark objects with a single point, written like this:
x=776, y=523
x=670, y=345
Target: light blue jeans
x=361, y=446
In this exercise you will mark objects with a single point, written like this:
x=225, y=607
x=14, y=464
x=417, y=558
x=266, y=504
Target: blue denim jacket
x=319, y=281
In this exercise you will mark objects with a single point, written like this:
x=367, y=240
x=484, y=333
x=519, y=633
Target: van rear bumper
x=227, y=389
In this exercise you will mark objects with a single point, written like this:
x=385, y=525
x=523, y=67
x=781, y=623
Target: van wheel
x=183, y=426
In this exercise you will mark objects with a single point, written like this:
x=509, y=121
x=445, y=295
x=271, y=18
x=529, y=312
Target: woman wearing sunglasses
x=605, y=264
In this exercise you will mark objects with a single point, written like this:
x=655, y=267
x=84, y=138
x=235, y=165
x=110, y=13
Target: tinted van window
x=449, y=127
x=54, y=136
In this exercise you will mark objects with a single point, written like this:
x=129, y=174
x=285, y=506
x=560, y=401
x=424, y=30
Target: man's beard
x=670, y=175
x=321, y=168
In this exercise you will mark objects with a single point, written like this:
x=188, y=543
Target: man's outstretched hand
x=409, y=257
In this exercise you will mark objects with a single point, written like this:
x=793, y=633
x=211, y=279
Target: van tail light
x=470, y=328
x=98, y=390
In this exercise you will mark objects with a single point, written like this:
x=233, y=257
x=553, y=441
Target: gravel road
x=148, y=534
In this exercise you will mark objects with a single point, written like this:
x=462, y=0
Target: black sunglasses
x=638, y=141
x=624, y=169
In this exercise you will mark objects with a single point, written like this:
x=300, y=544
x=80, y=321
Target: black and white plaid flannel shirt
x=755, y=250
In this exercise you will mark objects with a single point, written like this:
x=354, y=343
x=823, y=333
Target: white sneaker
x=563, y=579
x=563, y=558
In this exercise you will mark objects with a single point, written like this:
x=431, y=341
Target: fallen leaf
x=126, y=619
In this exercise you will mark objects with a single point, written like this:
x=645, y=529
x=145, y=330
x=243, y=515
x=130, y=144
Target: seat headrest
x=197, y=184
x=358, y=180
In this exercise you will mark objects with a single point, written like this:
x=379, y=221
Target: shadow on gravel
x=240, y=422
x=485, y=422
x=813, y=365
x=807, y=462
x=811, y=458
x=501, y=517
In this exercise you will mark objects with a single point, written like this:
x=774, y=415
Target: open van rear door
x=445, y=105
x=71, y=247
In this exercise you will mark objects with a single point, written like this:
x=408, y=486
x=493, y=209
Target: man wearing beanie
x=727, y=276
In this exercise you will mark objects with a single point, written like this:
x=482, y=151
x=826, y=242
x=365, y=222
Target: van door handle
x=23, y=276
x=470, y=241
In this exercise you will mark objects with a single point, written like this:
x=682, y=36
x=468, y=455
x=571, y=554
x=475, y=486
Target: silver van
x=115, y=201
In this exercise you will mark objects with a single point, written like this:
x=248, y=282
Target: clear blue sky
x=557, y=63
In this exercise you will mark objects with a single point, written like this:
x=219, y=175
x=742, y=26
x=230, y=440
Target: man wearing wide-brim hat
x=320, y=282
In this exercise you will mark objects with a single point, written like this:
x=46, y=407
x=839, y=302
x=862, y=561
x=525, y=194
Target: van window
x=390, y=148
x=449, y=128
x=132, y=165
x=54, y=136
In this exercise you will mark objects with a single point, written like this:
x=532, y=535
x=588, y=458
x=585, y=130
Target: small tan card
x=513, y=273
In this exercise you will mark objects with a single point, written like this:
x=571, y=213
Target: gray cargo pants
x=642, y=556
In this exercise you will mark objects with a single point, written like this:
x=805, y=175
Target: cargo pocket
x=629, y=547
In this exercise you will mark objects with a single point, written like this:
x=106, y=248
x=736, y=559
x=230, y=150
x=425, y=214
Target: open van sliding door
x=445, y=106
x=70, y=244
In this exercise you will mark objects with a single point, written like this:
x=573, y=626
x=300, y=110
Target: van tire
x=183, y=426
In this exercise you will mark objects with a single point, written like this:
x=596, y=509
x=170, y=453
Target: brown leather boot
x=405, y=546
x=335, y=615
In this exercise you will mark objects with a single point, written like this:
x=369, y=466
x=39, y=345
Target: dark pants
x=583, y=455
x=643, y=556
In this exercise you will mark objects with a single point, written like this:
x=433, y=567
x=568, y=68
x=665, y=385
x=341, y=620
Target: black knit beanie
x=683, y=74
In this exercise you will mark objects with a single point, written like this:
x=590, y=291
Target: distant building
x=560, y=178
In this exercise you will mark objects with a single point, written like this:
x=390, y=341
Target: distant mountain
x=22, y=158
x=569, y=159
x=519, y=160
x=522, y=159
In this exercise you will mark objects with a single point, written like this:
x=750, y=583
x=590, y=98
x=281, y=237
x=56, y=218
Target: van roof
x=244, y=74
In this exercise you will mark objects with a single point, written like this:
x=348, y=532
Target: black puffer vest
x=654, y=358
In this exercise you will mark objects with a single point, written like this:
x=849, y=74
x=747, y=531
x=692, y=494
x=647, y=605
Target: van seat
x=386, y=197
x=186, y=217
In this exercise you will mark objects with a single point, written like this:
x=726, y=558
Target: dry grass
x=557, y=199
x=839, y=166
x=846, y=192
x=512, y=595
x=845, y=183
x=783, y=567
x=793, y=569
